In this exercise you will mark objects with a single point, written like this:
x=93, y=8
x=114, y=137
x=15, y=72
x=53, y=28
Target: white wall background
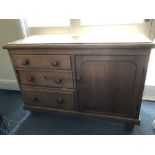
x=9, y=31
x=150, y=78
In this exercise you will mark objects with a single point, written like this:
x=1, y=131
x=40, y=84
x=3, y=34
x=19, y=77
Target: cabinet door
x=107, y=84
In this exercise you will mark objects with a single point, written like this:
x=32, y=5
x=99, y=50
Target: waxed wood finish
x=109, y=81
x=42, y=61
x=78, y=113
x=80, y=51
x=61, y=79
x=101, y=80
x=49, y=99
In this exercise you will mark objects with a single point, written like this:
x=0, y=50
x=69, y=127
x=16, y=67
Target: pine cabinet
x=92, y=79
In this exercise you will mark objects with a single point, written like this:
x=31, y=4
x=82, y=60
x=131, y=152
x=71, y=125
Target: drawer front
x=42, y=61
x=56, y=79
x=49, y=99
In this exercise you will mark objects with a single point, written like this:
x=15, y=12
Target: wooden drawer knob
x=79, y=78
x=55, y=63
x=25, y=62
x=34, y=98
x=30, y=78
x=60, y=100
x=58, y=81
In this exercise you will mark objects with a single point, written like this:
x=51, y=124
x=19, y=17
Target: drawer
x=42, y=61
x=49, y=99
x=56, y=79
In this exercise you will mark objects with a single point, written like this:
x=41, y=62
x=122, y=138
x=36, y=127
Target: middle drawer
x=56, y=79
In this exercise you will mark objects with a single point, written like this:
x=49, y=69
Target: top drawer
x=42, y=61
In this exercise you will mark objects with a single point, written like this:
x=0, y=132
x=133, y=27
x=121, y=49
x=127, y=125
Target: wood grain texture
x=82, y=45
x=107, y=87
x=98, y=79
x=42, y=61
x=104, y=80
x=81, y=51
x=50, y=99
x=83, y=114
x=57, y=79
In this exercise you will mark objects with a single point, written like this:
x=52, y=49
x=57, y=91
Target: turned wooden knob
x=45, y=77
x=78, y=78
x=60, y=100
x=34, y=98
x=55, y=63
x=25, y=62
x=30, y=78
x=58, y=81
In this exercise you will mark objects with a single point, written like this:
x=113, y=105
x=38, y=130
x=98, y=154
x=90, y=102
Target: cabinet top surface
x=96, y=40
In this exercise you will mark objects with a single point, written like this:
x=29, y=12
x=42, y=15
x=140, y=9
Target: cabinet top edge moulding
x=85, y=41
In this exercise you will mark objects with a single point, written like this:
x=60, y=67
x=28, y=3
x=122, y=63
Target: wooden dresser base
x=93, y=79
x=104, y=117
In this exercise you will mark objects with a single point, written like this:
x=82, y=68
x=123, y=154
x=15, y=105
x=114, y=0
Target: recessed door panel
x=106, y=84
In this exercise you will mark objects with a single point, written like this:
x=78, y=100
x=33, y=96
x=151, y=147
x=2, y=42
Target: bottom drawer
x=49, y=99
